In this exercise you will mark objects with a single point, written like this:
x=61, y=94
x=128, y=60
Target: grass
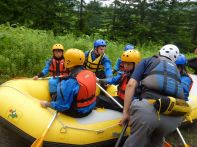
x=23, y=52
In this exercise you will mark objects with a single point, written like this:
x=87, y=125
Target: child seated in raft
x=118, y=65
x=129, y=59
x=97, y=61
x=186, y=80
x=75, y=93
x=55, y=68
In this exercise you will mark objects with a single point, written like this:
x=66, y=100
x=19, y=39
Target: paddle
x=109, y=96
x=44, y=78
x=39, y=141
x=121, y=135
x=181, y=136
x=166, y=144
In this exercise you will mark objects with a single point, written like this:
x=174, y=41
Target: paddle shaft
x=49, y=77
x=39, y=141
x=110, y=96
x=49, y=125
x=121, y=135
x=181, y=136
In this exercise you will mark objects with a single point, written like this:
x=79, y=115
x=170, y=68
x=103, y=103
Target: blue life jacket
x=164, y=78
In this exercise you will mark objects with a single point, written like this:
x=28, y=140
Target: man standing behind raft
x=75, y=93
x=159, y=78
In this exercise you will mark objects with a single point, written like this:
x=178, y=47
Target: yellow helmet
x=74, y=57
x=58, y=47
x=112, y=90
x=131, y=56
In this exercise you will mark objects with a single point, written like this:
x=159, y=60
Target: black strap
x=86, y=61
x=165, y=76
x=86, y=99
x=99, y=62
x=176, y=84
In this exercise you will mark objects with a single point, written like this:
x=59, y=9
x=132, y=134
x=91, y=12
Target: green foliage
x=133, y=21
x=24, y=52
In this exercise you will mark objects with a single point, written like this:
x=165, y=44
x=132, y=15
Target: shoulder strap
x=100, y=62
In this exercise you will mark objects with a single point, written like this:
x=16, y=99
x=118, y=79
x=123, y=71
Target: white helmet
x=171, y=51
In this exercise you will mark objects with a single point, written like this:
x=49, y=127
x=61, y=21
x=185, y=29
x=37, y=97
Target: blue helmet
x=129, y=47
x=99, y=42
x=181, y=60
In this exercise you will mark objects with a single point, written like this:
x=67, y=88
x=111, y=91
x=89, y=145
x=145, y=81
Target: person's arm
x=45, y=71
x=66, y=92
x=129, y=93
x=114, y=80
x=186, y=84
x=117, y=65
x=107, y=67
x=130, y=89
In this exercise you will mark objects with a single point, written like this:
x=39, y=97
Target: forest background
x=29, y=28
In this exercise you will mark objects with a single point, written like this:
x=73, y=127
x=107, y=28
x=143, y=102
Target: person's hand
x=44, y=104
x=124, y=119
x=35, y=77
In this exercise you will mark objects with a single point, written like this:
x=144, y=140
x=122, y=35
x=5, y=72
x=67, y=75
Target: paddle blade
x=166, y=144
x=38, y=142
x=186, y=145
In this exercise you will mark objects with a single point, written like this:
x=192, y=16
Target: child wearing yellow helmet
x=75, y=93
x=119, y=65
x=129, y=60
x=56, y=69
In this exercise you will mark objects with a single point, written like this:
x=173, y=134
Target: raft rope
x=25, y=94
x=15, y=89
x=64, y=127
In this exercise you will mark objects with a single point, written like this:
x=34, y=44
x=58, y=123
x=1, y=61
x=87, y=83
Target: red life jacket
x=122, y=86
x=57, y=68
x=86, y=95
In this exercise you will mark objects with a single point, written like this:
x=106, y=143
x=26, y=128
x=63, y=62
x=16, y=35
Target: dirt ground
x=189, y=133
x=10, y=139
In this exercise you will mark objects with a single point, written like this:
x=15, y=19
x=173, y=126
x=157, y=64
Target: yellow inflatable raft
x=193, y=98
x=20, y=108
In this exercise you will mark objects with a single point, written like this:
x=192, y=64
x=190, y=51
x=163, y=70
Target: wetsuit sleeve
x=45, y=71
x=67, y=90
x=117, y=64
x=114, y=80
x=186, y=84
x=107, y=65
x=86, y=54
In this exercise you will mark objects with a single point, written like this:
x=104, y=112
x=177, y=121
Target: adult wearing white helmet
x=159, y=78
x=170, y=51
